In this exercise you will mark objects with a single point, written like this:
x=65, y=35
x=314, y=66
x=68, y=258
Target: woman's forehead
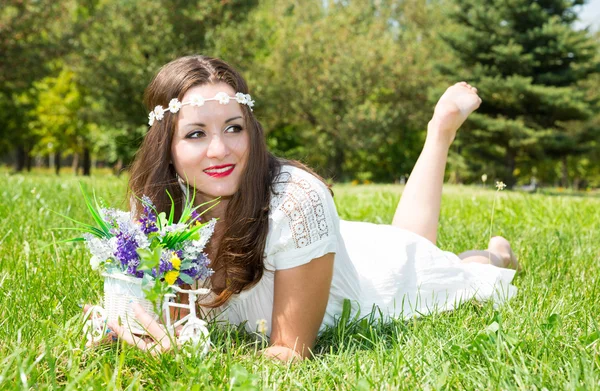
x=209, y=90
x=212, y=110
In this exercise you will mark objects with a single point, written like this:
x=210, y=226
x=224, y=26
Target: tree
x=32, y=35
x=339, y=85
x=526, y=61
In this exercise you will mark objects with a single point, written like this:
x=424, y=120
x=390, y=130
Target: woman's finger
x=126, y=335
x=149, y=324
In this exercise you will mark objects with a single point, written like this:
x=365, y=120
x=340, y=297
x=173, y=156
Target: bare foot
x=452, y=110
x=501, y=247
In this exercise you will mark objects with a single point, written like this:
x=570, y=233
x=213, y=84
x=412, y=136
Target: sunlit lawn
x=547, y=337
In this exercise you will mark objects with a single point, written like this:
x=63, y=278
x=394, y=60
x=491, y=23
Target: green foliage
x=341, y=86
x=528, y=64
x=345, y=86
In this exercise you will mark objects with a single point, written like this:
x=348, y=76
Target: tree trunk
x=28, y=160
x=510, y=166
x=565, y=172
x=57, y=162
x=118, y=167
x=75, y=164
x=87, y=162
x=20, y=163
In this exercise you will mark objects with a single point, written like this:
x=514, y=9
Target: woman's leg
x=419, y=207
x=498, y=253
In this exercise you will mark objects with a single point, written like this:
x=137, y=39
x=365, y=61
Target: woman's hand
x=158, y=340
x=109, y=335
x=299, y=303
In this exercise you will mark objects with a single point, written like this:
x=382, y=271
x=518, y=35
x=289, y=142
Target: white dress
x=400, y=272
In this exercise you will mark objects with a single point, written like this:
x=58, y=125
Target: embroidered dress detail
x=303, y=205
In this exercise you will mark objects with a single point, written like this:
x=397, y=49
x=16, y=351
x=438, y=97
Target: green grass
x=546, y=337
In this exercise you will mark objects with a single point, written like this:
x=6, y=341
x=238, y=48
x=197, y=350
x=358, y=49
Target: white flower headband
x=197, y=100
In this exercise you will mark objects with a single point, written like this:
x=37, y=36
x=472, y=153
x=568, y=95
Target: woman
x=279, y=251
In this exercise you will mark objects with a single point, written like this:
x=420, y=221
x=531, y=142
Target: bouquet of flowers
x=152, y=252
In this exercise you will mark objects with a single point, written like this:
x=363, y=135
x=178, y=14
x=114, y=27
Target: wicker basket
x=120, y=291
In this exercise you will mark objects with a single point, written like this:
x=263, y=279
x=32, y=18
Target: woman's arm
x=299, y=303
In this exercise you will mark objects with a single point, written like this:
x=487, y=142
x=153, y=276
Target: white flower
x=95, y=262
x=500, y=185
x=222, y=97
x=174, y=105
x=484, y=178
x=197, y=100
x=261, y=326
x=151, y=118
x=159, y=112
x=241, y=98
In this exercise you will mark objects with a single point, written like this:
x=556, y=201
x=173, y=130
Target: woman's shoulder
x=290, y=177
x=304, y=221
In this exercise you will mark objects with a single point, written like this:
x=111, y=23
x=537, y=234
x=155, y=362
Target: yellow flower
x=171, y=276
x=175, y=261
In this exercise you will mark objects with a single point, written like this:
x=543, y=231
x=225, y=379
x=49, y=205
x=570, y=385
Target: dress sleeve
x=304, y=224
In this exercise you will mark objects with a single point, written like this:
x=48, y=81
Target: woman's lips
x=220, y=171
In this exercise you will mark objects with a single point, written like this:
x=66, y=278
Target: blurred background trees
x=345, y=86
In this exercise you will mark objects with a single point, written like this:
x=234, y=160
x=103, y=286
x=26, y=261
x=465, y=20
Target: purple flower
x=199, y=269
x=126, y=254
x=195, y=216
x=148, y=218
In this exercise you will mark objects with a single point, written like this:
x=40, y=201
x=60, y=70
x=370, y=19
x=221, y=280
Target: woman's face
x=210, y=144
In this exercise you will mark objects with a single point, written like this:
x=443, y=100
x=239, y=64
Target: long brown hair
x=241, y=250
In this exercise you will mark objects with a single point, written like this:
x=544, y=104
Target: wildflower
x=174, y=105
x=175, y=261
x=126, y=249
x=484, y=178
x=261, y=326
x=195, y=216
x=171, y=276
x=500, y=185
x=148, y=218
x=222, y=97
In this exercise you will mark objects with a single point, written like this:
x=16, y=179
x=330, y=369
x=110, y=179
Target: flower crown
x=197, y=100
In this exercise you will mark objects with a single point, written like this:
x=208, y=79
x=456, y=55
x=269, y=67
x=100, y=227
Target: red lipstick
x=220, y=171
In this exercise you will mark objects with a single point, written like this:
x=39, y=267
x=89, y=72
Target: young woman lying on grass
x=280, y=252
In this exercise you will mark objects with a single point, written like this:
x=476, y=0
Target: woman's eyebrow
x=233, y=118
x=203, y=125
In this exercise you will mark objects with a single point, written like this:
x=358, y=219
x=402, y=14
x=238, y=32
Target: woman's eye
x=196, y=134
x=233, y=129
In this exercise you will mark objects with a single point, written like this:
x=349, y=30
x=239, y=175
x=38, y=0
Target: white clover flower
x=261, y=326
x=241, y=98
x=197, y=100
x=159, y=112
x=222, y=97
x=500, y=185
x=174, y=105
x=151, y=118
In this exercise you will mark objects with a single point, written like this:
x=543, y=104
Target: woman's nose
x=217, y=149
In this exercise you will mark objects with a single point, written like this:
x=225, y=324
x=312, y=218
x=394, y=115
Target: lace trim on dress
x=304, y=206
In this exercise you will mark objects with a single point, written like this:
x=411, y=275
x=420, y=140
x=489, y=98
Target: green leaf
x=185, y=278
x=149, y=259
